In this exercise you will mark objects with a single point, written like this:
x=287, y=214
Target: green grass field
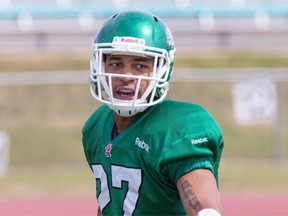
x=44, y=123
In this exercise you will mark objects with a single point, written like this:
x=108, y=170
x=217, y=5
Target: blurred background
x=232, y=58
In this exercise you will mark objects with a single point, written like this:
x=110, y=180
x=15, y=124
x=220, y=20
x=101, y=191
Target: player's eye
x=115, y=64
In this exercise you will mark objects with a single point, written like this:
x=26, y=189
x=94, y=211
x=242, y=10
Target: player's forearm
x=198, y=192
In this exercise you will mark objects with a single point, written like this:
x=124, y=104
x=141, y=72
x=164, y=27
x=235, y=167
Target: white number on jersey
x=131, y=175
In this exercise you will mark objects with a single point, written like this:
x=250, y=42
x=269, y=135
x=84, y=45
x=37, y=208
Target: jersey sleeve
x=196, y=143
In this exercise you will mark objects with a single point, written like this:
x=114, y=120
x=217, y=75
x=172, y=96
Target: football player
x=149, y=155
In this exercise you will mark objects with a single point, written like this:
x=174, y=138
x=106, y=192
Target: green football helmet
x=132, y=33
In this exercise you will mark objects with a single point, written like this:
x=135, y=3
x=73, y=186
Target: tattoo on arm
x=190, y=196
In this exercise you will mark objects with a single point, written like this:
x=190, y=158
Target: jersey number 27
x=119, y=174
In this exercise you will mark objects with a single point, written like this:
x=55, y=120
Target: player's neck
x=123, y=122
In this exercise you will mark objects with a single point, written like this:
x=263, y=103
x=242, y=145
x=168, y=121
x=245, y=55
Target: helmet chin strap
x=125, y=108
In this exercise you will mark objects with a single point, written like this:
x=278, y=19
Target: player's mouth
x=125, y=94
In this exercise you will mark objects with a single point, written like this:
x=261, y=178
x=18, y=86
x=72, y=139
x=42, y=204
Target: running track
x=233, y=205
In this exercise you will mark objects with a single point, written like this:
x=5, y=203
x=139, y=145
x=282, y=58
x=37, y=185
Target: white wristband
x=208, y=212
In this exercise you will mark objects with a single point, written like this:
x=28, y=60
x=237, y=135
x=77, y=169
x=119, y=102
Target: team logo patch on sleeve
x=108, y=150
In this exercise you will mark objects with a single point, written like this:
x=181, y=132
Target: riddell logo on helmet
x=129, y=40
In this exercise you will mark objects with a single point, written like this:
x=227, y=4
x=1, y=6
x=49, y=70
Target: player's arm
x=99, y=213
x=199, y=193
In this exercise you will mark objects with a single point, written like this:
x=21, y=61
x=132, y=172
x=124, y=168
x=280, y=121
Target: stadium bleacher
x=228, y=23
x=12, y=9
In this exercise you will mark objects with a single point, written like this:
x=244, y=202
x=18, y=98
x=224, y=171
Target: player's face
x=124, y=88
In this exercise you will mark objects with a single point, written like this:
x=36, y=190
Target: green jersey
x=136, y=172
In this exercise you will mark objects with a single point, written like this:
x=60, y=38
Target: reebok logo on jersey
x=199, y=141
x=141, y=144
